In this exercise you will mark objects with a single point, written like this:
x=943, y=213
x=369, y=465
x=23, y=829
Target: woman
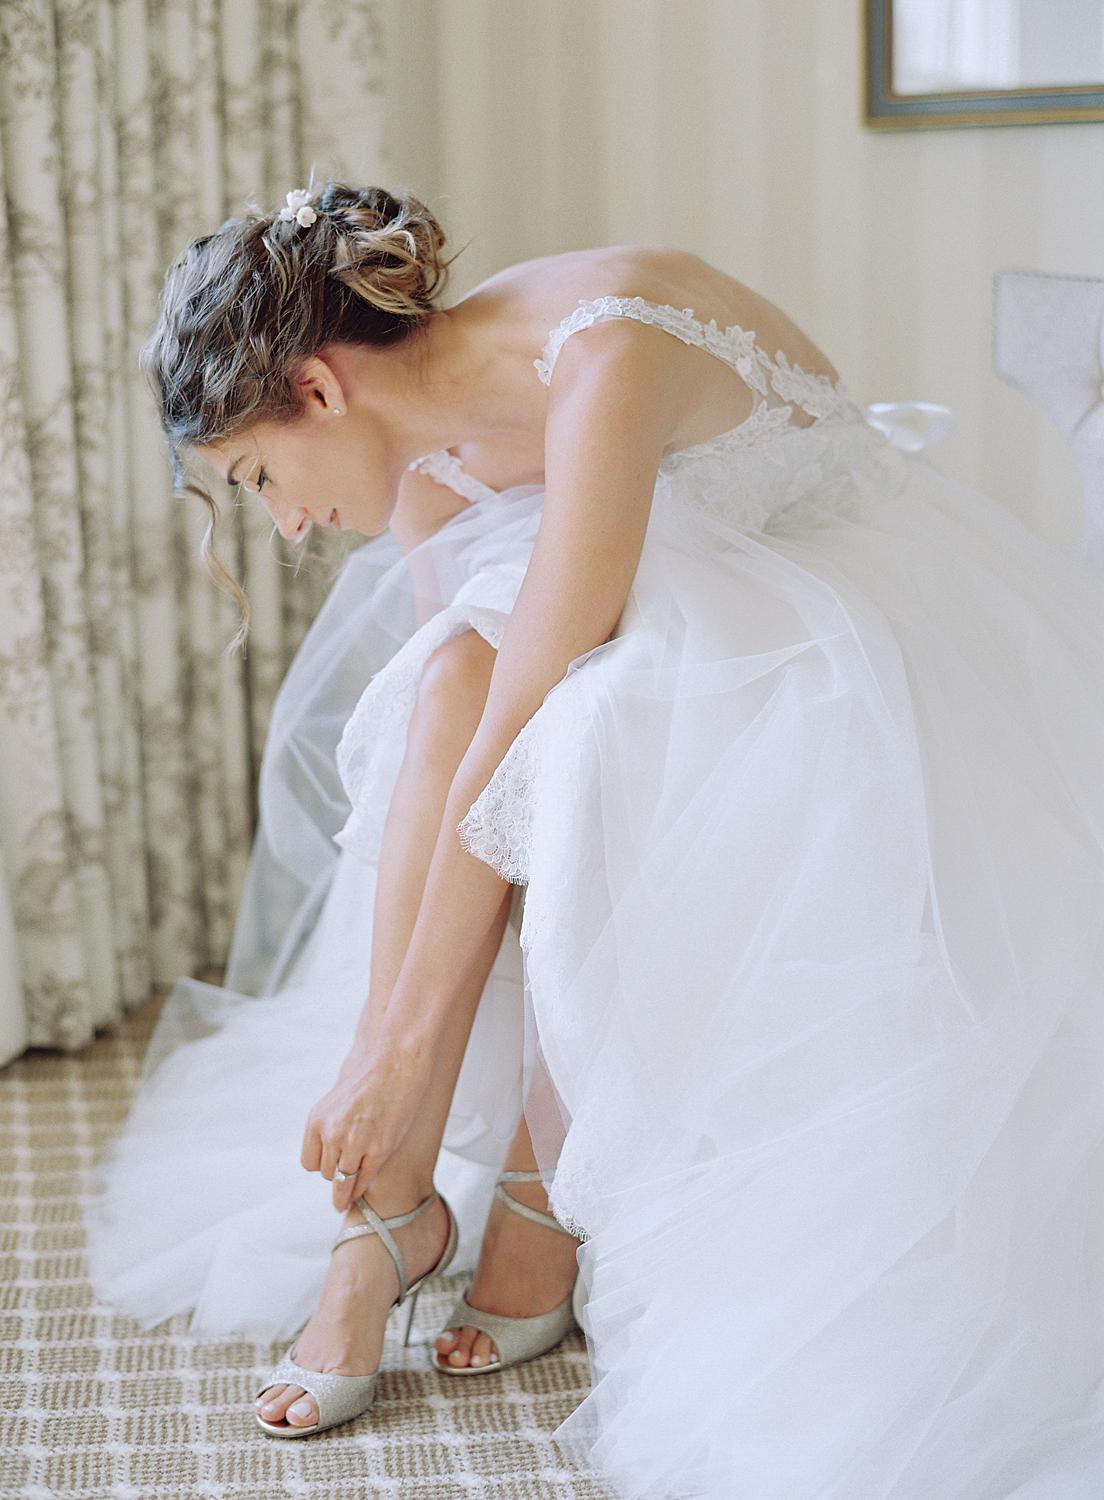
x=724, y=787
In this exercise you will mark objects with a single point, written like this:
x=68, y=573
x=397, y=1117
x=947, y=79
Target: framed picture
x=939, y=63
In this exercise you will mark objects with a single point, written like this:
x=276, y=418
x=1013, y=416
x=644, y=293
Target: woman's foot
x=345, y=1333
x=524, y=1269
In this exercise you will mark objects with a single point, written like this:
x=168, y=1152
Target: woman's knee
x=456, y=677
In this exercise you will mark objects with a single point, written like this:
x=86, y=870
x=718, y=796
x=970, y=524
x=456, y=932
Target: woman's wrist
x=369, y=1020
x=406, y=1033
x=365, y=1029
x=390, y=1032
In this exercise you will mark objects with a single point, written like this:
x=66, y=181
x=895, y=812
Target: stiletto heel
x=410, y=1316
x=339, y=1398
x=516, y=1339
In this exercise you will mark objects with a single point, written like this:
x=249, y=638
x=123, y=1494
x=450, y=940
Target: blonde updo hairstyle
x=242, y=309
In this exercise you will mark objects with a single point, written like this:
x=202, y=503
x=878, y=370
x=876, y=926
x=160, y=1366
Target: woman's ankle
x=398, y=1193
x=535, y=1193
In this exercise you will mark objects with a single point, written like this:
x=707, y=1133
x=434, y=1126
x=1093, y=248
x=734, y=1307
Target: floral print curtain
x=129, y=743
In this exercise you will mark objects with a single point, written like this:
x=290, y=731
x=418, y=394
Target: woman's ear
x=321, y=387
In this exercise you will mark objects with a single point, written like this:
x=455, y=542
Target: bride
x=678, y=885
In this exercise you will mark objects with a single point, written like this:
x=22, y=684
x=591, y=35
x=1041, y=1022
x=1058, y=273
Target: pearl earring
x=337, y=411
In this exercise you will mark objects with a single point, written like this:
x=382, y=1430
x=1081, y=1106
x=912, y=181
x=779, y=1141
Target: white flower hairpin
x=299, y=208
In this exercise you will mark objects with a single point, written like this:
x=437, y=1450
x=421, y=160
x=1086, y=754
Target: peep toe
x=339, y=1398
x=516, y=1339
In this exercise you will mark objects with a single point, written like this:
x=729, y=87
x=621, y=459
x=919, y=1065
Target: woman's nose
x=297, y=529
x=294, y=526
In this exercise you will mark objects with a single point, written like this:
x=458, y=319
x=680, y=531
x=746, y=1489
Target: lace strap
x=736, y=346
x=681, y=322
x=448, y=470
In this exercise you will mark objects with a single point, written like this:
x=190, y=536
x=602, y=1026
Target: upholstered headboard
x=1048, y=341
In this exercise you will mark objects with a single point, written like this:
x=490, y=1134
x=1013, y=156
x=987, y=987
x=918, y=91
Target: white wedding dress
x=807, y=952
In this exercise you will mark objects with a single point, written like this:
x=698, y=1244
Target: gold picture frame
x=884, y=109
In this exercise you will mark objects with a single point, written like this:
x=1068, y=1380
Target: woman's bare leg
x=345, y=1333
x=523, y=1268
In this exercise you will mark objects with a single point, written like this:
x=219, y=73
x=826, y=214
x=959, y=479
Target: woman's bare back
x=529, y=299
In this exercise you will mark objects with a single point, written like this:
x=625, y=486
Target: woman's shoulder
x=547, y=288
x=601, y=267
x=535, y=296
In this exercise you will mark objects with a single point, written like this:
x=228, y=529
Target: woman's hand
x=359, y=1123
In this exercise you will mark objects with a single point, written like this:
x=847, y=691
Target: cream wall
x=732, y=127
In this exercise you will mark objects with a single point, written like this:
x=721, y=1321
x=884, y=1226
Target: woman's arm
x=610, y=415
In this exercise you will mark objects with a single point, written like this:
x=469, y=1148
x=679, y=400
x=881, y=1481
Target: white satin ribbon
x=911, y=425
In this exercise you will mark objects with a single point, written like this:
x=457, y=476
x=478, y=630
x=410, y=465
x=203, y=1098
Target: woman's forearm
x=460, y=901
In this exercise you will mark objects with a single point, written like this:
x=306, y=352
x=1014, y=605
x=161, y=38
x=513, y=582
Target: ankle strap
x=375, y=1225
x=538, y=1216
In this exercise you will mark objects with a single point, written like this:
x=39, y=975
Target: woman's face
x=330, y=466
x=304, y=476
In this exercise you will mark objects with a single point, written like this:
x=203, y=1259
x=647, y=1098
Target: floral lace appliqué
x=448, y=470
x=763, y=420
x=736, y=346
x=497, y=828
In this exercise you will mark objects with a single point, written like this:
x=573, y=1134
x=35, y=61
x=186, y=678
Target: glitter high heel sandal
x=339, y=1398
x=516, y=1339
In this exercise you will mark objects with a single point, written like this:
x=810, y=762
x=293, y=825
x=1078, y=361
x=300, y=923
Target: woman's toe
x=462, y=1352
x=446, y=1342
x=288, y=1403
x=274, y=1402
x=303, y=1412
x=483, y=1351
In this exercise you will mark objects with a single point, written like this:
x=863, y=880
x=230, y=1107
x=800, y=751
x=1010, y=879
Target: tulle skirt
x=802, y=995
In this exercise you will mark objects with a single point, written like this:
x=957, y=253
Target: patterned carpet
x=93, y=1408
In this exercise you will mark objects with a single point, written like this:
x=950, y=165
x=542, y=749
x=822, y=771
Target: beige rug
x=93, y=1407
